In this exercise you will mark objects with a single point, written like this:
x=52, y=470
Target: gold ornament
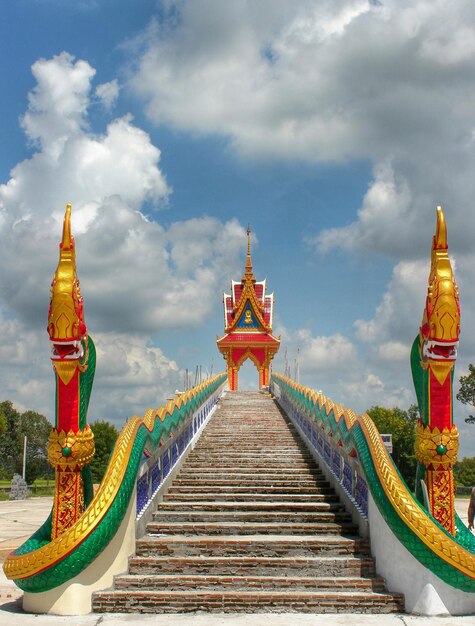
x=71, y=451
x=435, y=448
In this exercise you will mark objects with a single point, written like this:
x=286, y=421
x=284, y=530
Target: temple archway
x=248, y=376
x=248, y=315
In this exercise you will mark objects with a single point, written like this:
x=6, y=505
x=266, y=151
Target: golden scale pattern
x=399, y=497
x=26, y=565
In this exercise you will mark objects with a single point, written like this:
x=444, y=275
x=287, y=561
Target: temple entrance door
x=261, y=364
x=248, y=376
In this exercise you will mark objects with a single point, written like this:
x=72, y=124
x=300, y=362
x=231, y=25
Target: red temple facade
x=248, y=316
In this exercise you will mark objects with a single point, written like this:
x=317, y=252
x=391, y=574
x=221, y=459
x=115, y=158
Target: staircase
x=250, y=525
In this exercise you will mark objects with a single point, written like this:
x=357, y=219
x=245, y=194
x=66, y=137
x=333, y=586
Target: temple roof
x=248, y=308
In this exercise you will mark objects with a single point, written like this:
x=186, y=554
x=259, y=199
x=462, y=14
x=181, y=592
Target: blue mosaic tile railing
x=336, y=464
x=155, y=469
x=347, y=477
x=361, y=494
x=342, y=466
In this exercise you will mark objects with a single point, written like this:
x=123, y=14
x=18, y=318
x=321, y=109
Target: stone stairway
x=250, y=525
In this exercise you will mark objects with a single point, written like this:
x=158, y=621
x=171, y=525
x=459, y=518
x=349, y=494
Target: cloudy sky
x=333, y=127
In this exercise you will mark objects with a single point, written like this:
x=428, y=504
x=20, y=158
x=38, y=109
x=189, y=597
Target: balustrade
x=344, y=467
x=154, y=470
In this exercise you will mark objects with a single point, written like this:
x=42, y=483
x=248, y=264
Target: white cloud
x=137, y=278
x=108, y=93
x=388, y=82
x=391, y=83
x=321, y=81
x=394, y=351
x=131, y=374
x=399, y=314
x=387, y=201
x=327, y=354
x=346, y=372
x=58, y=104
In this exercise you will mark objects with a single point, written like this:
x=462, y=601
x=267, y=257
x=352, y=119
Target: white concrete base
x=425, y=593
x=74, y=596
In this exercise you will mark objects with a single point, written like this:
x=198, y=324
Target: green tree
x=401, y=424
x=105, y=436
x=3, y=423
x=10, y=446
x=36, y=428
x=466, y=394
x=464, y=472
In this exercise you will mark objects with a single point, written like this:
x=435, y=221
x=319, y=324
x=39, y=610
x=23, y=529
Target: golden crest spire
x=249, y=275
x=440, y=238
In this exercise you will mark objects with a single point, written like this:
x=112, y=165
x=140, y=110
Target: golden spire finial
x=65, y=313
x=440, y=237
x=67, y=240
x=249, y=273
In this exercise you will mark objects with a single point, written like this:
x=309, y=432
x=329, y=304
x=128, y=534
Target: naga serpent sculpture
x=81, y=524
x=440, y=541
x=71, y=442
x=432, y=362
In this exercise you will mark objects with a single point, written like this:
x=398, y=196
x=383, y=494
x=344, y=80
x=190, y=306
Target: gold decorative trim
x=398, y=495
x=408, y=509
x=26, y=565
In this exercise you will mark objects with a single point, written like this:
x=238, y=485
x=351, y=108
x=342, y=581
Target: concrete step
x=252, y=481
x=244, y=583
x=254, y=565
x=250, y=496
x=287, y=546
x=246, y=506
x=248, y=455
x=248, y=473
x=265, y=488
x=256, y=601
x=251, y=528
x=198, y=516
x=250, y=524
x=251, y=463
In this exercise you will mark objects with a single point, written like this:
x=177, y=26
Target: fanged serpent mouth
x=67, y=350
x=440, y=351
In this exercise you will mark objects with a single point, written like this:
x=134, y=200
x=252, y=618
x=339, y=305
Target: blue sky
x=334, y=128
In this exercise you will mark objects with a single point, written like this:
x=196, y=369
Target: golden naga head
x=440, y=327
x=66, y=328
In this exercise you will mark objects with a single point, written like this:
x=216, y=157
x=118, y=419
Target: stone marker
x=19, y=488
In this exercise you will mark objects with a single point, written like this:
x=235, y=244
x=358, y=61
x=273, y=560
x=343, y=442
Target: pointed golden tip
x=67, y=239
x=248, y=273
x=440, y=237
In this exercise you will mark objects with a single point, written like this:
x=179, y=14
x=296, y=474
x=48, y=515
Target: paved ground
x=261, y=619
x=18, y=520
